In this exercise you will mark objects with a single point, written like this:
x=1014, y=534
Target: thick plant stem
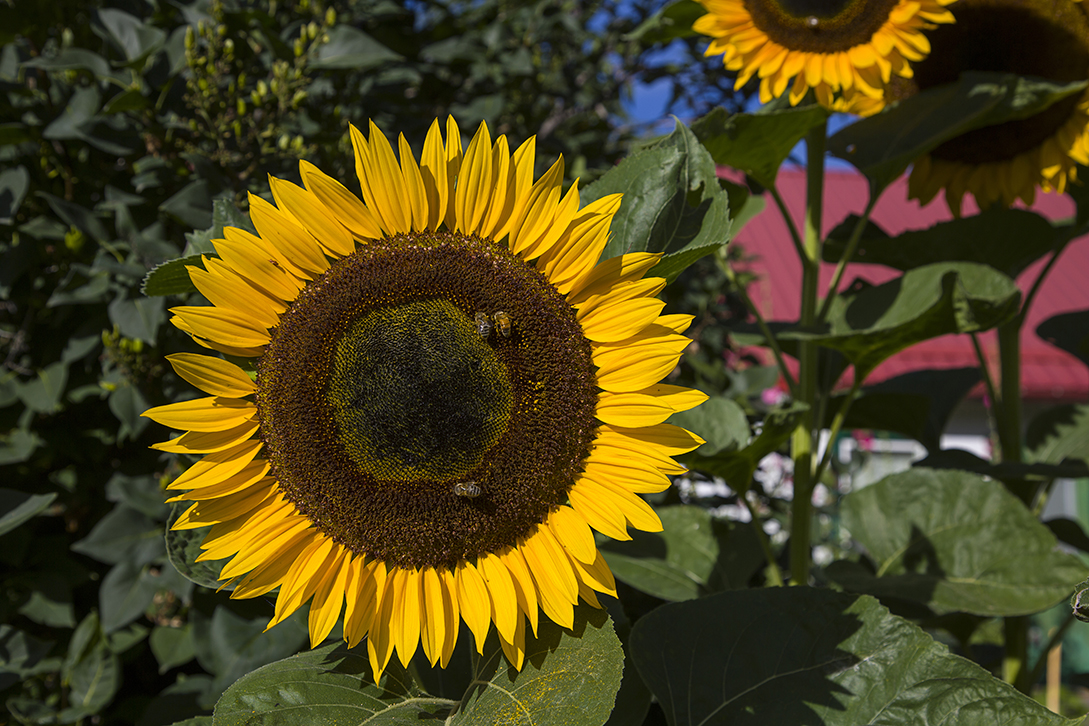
x=1015, y=670
x=802, y=441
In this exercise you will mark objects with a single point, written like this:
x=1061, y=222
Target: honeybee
x=483, y=325
x=502, y=323
x=469, y=489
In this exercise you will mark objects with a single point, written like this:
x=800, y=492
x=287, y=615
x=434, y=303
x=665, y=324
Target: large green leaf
x=808, y=657
x=673, y=203
x=172, y=278
x=694, y=554
x=872, y=323
x=1058, y=434
x=916, y=404
x=756, y=143
x=737, y=467
x=1007, y=471
x=1008, y=240
x=955, y=541
x=135, y=38
x=18, y=507
x=1069, y=331
x=569, y=677
x=91, y=670
x=882, y=146
x=326, y=686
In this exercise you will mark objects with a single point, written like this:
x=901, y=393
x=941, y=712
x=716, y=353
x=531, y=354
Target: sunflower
x=448, y=393
x=852, y=47
x=1000, y=164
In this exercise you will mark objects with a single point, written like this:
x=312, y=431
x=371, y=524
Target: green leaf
x=172, y=278
x=672, y=203
x=18, y=445
x=91, y=670
x=1008, y=240
x=139, y=318
x=882, y=146
x=126, y=592
x=916, y=404
x=737, y=467
x=21, y=653
x=1058, y=434
x=76, y=216
x=172, y=647
x=328, y=685
x=19, y=507
x=756, y=143
x=226, y=214
x=955, y=542
x=349, y=47
x=695, y=553
x=569, y=677
x=1079, y=601
x=1007, y=471
x=13, y=185
x=43, y=394
x=123, y=535
x=804, y=656
x=1069, y=331
x=128, y=100
x=73, y=59
x=136, y=39
x=141, y=493
x=872, y=323
x=183, y=549
x=230, y=646
x=191, y=205
x=719, y=421
x=673, y=21
x=126, y=402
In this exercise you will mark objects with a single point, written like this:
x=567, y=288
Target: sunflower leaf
x=882, y=146
x=756, y=143
x=1069, y=331
x=673, y=203
x=955, y=542
x=183, y=549
x=569, y=676
x=18, y=507
x=693, y=555
x=1008, y=240
x=671, y=22
x=804, y=656
x=328, y=685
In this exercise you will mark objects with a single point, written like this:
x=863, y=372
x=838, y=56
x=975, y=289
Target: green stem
x=837, y=424
x=791, y=227
x=848, y=254
x=775, y=575
x=988, y=382
x=1015, y=661
x=773, y=343
x=802, y=439
x=1055, y=639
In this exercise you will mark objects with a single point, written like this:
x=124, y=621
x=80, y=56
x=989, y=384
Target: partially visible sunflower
x=449, y=393
x=845, y=50
x=1000, y=164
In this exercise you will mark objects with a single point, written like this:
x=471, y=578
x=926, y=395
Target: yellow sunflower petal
x=212, y=375
x=214, y=413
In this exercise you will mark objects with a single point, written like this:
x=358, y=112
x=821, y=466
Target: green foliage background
x=132, y=132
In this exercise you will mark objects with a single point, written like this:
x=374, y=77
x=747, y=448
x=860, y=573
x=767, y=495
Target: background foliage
x=131, y=133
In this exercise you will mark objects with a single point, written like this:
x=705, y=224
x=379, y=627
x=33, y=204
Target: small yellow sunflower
x=449, y=393
x=849, y=47
x=1000, y=164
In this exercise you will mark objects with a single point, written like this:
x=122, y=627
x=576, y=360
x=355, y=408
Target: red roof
x=1047, y=372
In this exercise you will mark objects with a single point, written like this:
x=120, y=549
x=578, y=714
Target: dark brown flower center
x=405, y=427
x=820, y=26
x=1039, y=38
